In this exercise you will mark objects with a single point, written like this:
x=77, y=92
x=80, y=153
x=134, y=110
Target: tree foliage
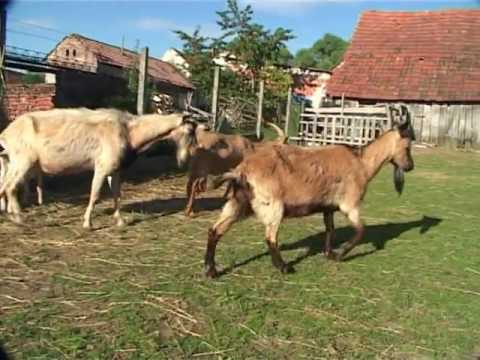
x=326, y=53
x=251, y=47
x=198, y=52
x=249, y=43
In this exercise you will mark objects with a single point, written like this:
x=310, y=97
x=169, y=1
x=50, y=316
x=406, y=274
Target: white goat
x=68, y=141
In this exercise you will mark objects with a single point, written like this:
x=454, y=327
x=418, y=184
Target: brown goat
x=289, y=181
x=215, y=154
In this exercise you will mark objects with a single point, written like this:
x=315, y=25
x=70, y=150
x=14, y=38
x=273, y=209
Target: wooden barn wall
x=457, y=125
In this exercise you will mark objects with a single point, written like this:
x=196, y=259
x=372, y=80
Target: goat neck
x=147, y=129
x=376, y=154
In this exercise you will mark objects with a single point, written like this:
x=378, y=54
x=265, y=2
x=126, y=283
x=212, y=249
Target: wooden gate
x=355, y=126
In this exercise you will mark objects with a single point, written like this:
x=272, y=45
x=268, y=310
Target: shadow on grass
x=174, y=205
x=378, y=235
x=75, y=189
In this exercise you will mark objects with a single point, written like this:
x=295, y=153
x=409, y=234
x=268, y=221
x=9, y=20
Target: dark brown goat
x=289, y=181
x=215, y=154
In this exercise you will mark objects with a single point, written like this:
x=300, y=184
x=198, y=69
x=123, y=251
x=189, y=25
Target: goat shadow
x=378, y=235
x=173, y=205
x=76, y=189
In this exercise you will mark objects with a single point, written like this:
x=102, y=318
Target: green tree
x=250, y=43
x=251, y=46
x=326, y=53
x=199, y=52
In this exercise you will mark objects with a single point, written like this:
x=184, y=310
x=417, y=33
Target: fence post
x=3, y=32
x=142, y=80
x=216, y=80
x=289, y=106
x=260, y=109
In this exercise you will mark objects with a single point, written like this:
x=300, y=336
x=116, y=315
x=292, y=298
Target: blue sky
x=39, y=24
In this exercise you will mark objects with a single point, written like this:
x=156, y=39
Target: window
x=67, y=52
x=74, y=52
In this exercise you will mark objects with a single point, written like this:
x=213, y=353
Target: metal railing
x=37, y=57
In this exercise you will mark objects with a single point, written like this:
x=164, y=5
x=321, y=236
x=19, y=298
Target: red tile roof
x=412, y=56
x=112, y=55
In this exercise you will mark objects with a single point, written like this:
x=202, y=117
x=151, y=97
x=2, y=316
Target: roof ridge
x=413, y=12
x=114, y=46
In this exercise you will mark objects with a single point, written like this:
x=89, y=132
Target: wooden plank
x=476, y=126
x=348, y=110
x=142, y=80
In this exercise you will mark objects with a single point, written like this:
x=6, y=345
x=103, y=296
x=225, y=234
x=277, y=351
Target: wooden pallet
x=355, y=126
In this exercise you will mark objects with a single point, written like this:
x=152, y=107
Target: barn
x=108, y=68
x=428, y=60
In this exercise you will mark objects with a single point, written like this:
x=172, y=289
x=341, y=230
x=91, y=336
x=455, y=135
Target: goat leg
x=97, y=182
x=329, y=233
x=39, y=187
x=231, y=212
x=210, y=269
x=272, y=242
x=354, y=217
x=192, y=186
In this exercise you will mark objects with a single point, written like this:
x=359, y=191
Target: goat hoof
x=211, y=273
x=335, y=256
x=287, y=269
x=87, y=225
x=120, y=223
x=16, y=219
x=190, y=214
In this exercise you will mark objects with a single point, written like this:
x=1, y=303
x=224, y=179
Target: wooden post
x=260, y=109
x=343, y=103
x=289, y=106
x=3, y=33
x=142, y=80
x=216, y=80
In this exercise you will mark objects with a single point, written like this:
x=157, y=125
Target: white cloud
x=155, y=24
x=163, y=25
x=47, y=23
x=282, y=7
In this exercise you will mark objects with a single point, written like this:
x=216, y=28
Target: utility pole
x=142, y=80
x=216, y=80
x=289, y=106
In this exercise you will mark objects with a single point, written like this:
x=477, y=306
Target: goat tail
x=281, y=136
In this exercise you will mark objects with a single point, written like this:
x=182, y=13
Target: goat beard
x=398, y=179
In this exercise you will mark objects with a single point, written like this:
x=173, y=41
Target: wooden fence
x=458, y=125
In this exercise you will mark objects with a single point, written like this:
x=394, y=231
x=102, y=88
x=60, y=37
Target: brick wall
x=20, y=99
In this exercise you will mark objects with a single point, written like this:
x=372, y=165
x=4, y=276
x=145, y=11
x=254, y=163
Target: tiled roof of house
x=112, y=55
x=416, y=56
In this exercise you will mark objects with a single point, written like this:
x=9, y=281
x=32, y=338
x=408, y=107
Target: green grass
x=410, y=291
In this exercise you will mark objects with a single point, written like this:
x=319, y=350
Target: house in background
x=105, y=73
x=428, y=60
x=310, y=84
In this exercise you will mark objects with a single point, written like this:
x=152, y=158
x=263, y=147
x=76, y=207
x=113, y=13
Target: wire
x=14, y=31
x=27, y=23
